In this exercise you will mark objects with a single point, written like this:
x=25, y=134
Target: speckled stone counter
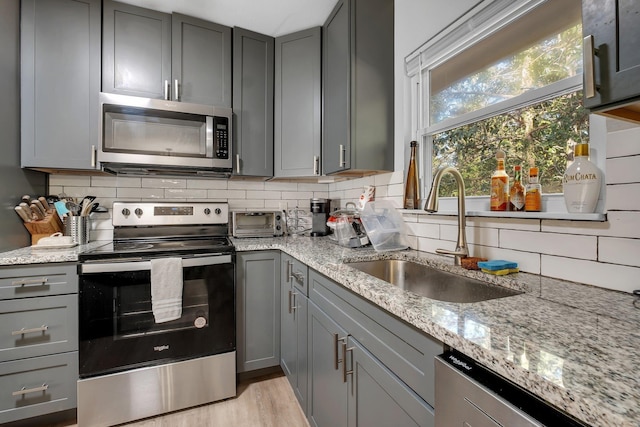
x=42, y=256
x=576, y=346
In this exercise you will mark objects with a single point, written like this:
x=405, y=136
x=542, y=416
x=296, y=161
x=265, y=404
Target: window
x=507, y=75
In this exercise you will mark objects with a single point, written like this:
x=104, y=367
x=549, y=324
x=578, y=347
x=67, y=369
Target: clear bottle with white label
x=581, y=182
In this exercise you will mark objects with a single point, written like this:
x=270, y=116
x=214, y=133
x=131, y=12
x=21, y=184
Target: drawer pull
x=346, y=372
x=26, y=282
x=23, y=331
x=336, y=356
x=23, y=390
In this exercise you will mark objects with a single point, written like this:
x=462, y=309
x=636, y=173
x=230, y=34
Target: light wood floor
x=266, y=401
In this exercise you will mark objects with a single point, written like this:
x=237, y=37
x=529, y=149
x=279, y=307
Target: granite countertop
x=576, y=346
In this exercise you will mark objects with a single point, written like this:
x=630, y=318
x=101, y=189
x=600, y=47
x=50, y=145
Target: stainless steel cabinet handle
x=167, y=88
x=23, y=390
x=294, y=306
x=237, y=163
x=290, y=295
x=27, y=282
x=298, y=276
x=336, y=356
x=176, y=90
x=342, y=162
x=93, y=156
x=589, y=67
x=289, y=270
x=23, y=331
x=346, y=372
x=316, y=165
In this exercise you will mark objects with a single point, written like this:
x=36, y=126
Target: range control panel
x=167, y=213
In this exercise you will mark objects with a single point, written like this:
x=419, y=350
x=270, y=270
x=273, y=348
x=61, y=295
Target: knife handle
x=36, y=211
x=44, y=203
x=38, y=204
x=23, y=214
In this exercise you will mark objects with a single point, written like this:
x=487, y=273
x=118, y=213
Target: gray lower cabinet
x=253, y=103
x=60, y=83
x=357, y=63
x=298, y=102
x=257, y=310
x=366, y=368
x=293, y=326
x=152, y=54
x=38, y=340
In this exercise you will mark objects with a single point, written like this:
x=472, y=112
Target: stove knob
x=126, y=212
x=138, y=212
x=207, y=211
x=218, y=211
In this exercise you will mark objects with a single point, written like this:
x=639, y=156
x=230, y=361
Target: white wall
x=603, y=254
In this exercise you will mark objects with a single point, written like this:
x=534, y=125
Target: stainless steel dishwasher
x=470, y=395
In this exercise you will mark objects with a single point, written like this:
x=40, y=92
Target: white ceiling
x=270, y=17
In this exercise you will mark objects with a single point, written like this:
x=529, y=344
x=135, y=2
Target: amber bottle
x=411, y=199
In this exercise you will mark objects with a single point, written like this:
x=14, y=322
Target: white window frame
x=486, y=18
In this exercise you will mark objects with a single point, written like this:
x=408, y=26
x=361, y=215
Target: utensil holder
x=78, y=228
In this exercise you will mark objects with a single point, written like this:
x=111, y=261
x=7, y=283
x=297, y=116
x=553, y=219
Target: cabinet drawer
x=38, y=280
x=407, y=352
x=23, y=383
x=49, y=324
x=296, y=272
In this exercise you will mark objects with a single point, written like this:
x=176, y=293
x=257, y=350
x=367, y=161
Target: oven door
x=117, y=328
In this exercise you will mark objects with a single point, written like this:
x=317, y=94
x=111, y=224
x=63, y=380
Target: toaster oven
x=257, y=223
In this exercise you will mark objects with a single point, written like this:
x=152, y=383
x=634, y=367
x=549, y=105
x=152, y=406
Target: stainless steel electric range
x=135, y=363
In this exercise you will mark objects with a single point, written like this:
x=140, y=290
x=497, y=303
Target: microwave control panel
x=221, y=137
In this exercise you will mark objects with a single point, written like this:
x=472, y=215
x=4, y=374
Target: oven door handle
x=114, y=267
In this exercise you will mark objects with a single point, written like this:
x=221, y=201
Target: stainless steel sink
x=432, y=283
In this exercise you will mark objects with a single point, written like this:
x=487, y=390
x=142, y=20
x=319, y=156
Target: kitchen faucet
x=462, y=251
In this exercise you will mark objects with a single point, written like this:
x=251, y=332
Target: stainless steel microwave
x=141, y=134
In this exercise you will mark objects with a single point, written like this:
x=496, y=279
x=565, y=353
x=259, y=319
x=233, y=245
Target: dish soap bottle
x=533, y=198
x=517, y=193
x=499, y=185
x=411, y=186
x=581, y=183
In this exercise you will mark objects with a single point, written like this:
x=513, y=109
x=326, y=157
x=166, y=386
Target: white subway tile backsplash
x=623, y=197
x=245, y=185
x=208, y=184
x=623, y=170
x=71, y=180
x=569, y=245
x=610, y=276
x=246, y=204
x=623, y=143
x=395, y=190
x=80, y=192
x=115, y=181
x=221, y=195
x=264, y=195
x=164, y=183
x=185, y=193
x=482, y=236
x=140, y=193
x=592, y=228
x=619, y=251
x=281, y=186
x=431, y=231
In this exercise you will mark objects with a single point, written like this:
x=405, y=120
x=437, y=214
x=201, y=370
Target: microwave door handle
x=208, y=143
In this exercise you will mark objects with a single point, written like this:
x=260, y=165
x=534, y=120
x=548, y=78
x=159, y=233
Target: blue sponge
x=497, y=264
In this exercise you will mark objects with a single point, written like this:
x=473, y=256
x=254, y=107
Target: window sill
x=563, y=216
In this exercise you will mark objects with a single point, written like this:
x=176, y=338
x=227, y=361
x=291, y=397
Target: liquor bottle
x=411, y=200
x=499, y=185
x=517, y=193
x=581, y=183
x=533, y=197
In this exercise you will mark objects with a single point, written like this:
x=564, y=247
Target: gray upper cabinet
x=615, y=28
x=357, y=129
x=201, y=61
x=297, y=112
x=60, y=83
x=253, y=60
x=136, y=51
x=157, y=55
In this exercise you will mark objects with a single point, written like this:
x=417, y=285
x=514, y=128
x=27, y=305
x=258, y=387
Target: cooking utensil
x=23, y=214
x=44, y=203
x=73, y=207
x=87, y=208
x=61, y=208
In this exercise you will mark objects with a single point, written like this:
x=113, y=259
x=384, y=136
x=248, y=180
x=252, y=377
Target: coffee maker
x=319, y=215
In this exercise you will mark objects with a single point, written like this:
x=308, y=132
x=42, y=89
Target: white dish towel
x=166, y=289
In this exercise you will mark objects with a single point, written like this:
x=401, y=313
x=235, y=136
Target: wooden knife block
x=44, y=227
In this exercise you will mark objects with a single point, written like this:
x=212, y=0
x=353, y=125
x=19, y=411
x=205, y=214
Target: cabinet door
x=253, y=103
x=297, y=104
x=336, y=136
x=60, y=83
x=258, y=310
x=201, y=61
x=136, y=51
x=327, y=388
x=378, y=398
x=293, y=333
x=615, y=27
